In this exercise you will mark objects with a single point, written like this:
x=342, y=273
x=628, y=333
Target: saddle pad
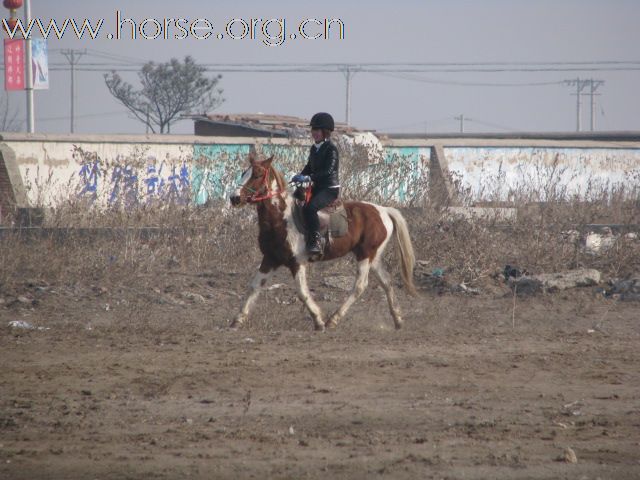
x=338, y=224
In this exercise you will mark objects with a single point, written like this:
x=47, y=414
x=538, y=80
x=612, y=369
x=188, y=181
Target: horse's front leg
x=260, y=279
x=362, y=280
x=300, y=274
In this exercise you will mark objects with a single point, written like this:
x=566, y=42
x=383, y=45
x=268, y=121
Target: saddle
x=333, y=221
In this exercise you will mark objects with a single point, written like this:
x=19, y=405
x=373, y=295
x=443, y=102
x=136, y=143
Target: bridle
x=265, y=183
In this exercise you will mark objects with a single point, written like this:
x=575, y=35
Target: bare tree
x=9, y=121
x=168, y=90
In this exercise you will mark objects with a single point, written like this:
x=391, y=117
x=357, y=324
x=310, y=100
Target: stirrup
x=313, y=245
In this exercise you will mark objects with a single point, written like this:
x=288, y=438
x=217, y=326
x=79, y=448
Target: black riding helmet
x=322, y=120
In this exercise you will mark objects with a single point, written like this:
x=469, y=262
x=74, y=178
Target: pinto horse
x=282, y=244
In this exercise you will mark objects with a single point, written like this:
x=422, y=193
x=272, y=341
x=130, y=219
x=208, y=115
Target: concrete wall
x=499, y=172
x=108, y=170
x=498, y=168
x=44, y=170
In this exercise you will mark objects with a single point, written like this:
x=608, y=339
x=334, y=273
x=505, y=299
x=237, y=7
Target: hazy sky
x=451, y=31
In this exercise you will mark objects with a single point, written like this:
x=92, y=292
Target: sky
x=515, y=34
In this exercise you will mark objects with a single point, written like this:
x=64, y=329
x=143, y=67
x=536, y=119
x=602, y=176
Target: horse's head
x=256, y=182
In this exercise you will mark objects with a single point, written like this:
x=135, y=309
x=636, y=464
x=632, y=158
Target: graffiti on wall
x=127, y=183
x=89, y=174
x=217, y=168
x=213, y=171
x=130, y=175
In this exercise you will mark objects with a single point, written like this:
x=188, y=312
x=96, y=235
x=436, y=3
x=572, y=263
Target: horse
x=370, y=227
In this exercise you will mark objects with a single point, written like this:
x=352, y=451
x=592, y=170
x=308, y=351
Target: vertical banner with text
x=14, y=64
x=40, y=63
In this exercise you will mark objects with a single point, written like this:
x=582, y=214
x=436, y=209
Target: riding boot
x=313, y=243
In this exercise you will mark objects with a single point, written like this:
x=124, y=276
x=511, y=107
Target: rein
x=255, y=194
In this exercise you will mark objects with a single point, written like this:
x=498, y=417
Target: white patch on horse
x=245, y=178
x=273, y=187
x=386, y=221
x=295, y=238
x=305, y=296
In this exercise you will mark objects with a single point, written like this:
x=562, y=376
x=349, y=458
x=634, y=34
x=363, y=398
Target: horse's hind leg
x=260, y=279
x=360, y=285
x=385, y=280
x=305, y=296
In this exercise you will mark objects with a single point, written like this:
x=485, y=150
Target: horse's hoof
x=237, y=323
x=333, y=321
x=398, y=323
x=319, y=326
x=331, y=324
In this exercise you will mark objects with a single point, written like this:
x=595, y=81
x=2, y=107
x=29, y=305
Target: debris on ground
x=463, y=288
x=21, y=324
x=194, y=297
x=625, y=290
x=431, y=278
x=598, y=243
x=551, y=282
x=568, y=456
x=512, y=272
x=436, y=279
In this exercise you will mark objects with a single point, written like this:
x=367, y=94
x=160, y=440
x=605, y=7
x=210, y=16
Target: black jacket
x=322, y=166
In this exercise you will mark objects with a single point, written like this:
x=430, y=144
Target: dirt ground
x=148, y=383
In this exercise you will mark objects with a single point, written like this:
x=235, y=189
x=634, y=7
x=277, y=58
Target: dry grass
x=132, y=244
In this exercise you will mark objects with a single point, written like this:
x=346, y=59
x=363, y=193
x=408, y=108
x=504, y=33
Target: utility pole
x=461, y=118
x=73, y=57
x=348, y=73
x=594, y=86
x=31, y=127
x=579, y=84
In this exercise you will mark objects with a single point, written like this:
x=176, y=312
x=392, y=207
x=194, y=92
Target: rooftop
x=261, y=124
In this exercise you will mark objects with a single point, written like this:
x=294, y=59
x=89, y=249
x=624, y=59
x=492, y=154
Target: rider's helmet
x=322, y=120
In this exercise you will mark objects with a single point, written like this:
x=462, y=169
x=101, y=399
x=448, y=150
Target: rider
x=322, y=170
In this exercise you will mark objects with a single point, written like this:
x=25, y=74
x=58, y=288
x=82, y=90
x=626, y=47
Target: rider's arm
x=328, y=165
x=307, y=168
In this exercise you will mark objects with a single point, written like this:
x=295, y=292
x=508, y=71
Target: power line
x=461, y=119
x=466, y=84
x=422, y=65
x=126, y=63
x=87, y=115
x=117, y=57
x=494, y=125
x=320, y=69
x=423, y=123
x=412, y=71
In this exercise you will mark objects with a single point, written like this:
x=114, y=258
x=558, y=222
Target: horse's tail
x=407, y=257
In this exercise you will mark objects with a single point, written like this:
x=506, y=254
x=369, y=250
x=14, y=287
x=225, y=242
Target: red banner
x=14, y=64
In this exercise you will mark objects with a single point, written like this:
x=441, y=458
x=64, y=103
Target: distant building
x=255, y=125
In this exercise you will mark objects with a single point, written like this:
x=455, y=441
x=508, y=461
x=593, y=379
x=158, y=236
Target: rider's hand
x=301, y=178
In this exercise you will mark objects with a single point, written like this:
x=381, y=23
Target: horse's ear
x=267, y=162
x=255, y=154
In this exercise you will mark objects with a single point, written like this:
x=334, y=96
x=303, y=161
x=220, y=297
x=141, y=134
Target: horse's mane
x=279, y=179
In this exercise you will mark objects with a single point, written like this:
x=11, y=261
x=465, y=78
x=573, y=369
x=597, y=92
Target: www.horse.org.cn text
x=271, y=32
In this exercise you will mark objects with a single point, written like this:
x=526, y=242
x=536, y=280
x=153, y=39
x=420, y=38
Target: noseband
x=265, y=184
